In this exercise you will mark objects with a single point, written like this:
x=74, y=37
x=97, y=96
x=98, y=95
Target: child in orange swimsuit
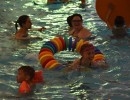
x=28, y=79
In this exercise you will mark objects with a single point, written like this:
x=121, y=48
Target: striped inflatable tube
x=48, y=49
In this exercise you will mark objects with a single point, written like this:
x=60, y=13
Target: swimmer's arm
x=103, y=65
x=38, y=29
x=73, y=66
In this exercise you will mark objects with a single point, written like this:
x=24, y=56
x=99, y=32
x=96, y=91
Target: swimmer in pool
x=119, y=30
x=78, y=31
x=25, y=24
x=86, y=62
x=27, y=77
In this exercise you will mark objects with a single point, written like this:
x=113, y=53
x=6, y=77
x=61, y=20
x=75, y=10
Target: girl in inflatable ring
x=86, y=61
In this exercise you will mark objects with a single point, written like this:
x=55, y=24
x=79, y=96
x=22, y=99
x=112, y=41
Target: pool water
x=113, y=83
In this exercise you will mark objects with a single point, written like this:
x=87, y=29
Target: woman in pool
x=78, y=30
x=25, y=24
x=86, y=61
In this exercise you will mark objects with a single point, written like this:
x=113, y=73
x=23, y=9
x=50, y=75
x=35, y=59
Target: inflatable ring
x=45, y=57
x=45, y=49
x=49, y=47
x=63, y=42
x=56, y=44
x=46, y=54
x=52, y=45
x=79, y=44
x=46, y=61
x=51, y=62
x=66, y=42
x=109, y=9
x=70, y=43
x=60, y=43
x=43, y=53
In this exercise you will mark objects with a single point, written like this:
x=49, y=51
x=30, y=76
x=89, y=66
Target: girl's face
x=88, y=54
x=28, y=23
x=20, y=76
x=76, y=22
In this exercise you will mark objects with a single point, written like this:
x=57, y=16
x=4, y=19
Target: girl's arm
x=38, y=29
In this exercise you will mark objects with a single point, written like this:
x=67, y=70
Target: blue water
x=113, y=83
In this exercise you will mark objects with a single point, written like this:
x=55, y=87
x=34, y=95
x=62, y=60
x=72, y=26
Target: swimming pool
x=113, y=83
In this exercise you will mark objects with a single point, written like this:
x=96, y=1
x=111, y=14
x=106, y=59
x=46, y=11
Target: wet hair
x=86, y=46
x=21, y=20
x=69, y=21
x=28, y=71
x=119, y=21
x=76, y=15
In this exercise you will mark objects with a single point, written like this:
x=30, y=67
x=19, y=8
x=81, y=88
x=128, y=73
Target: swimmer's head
x=87, y=51
x=23, y=21
x=86, y=47
x=25, y=73
x=119, y=21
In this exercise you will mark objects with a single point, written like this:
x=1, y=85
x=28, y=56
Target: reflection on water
x=98, y=85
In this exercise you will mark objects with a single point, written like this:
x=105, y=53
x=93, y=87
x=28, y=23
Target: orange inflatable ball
x=109, y=9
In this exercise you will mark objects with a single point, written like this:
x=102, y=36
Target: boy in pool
x=25, y=25
x=25, y=76
x=119, y=30
x=86, y=61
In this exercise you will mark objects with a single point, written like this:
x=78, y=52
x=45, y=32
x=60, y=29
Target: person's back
x=119, y=30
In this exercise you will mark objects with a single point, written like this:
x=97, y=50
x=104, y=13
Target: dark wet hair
x=28, y=71
x=119, y=21
x=69, y=21
x=86, y=46
x=21, y=20
x=76, y=15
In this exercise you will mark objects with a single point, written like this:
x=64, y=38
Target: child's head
x=87, y=51
x=24, y=21
x=25, y=73
x=119, y=21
